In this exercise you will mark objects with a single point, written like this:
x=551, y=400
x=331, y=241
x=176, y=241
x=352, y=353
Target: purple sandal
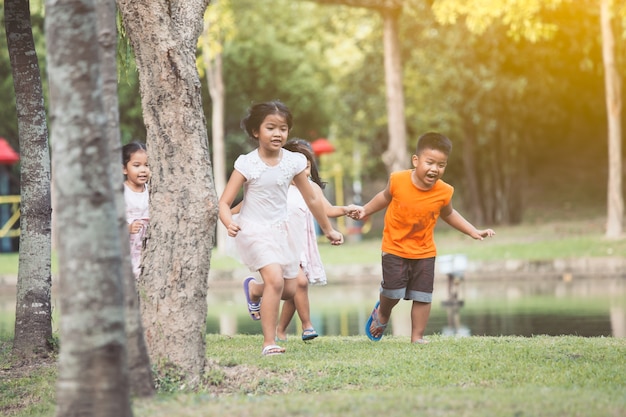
x=253, y=308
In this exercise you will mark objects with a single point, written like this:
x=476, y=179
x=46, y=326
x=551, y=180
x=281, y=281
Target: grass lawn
x=346, y=376
x=351, y=376
x=566, y=239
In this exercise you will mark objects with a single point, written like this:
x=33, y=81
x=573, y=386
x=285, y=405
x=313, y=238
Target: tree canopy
x=526, y=75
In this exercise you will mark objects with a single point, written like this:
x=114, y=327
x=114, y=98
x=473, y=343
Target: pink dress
x=137, y=209
x=301, y=217
x=266, y=237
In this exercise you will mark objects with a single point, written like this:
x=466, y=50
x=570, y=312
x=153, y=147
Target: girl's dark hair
x=258, y=112
x=129, y=149
x=304, y=147
x=433, y=140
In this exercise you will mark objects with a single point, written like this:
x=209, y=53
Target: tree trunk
x=183, y=202
x=33, y=321
x=93, y=378
x=397, y=156
x=140, y=373
x=615, y=197
x=215, y=80
x=513, y=175
x=472, y=189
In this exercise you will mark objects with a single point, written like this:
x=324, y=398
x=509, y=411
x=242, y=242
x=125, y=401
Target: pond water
x=589, y=307
x=583, y=307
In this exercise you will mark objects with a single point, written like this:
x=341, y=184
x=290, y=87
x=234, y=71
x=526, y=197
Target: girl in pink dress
x=263, y=238
x=311, y=268
x=137, y=173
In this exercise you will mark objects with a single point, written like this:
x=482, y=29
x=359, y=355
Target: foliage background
x=536, y=108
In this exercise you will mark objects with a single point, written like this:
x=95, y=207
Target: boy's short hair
x=436, y=141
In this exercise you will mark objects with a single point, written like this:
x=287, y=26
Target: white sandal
x=270, y=350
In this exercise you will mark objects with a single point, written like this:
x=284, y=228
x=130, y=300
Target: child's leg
x=384, y=314
x=286, y=314
x=302, y=301
x=420, y=290
x=273, y=286
x=289, y=288
x=393, y=288
x=299, y=302
x=419, y=318
x=255, y=290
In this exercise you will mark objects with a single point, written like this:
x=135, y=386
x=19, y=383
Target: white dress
x=301, y=217
x=266, y=237
x=137, y=209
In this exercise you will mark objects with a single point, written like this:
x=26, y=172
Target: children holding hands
x=268, y=242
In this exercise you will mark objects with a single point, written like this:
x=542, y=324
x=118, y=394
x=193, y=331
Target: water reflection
x=584, y=307
x=589, y=307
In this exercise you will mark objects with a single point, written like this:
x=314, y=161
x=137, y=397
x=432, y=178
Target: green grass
x=564, y=239
x=571, y=239
x=339, y=376
x=9, y=263
x=479, y=376
x=29, y=391
x=343, y=376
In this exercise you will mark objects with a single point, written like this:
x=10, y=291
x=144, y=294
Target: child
x=263, y=238
x=311, y=268
x=136, y=173
x=414, y=200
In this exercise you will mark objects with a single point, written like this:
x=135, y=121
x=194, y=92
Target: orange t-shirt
x=412, y=215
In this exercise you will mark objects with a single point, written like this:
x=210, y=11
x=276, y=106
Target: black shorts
x=411, y=279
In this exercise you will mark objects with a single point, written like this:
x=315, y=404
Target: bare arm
x=235, y=182
x=237, y=208
x=329, y=209
x=377, y=203
x=316, y=205
x=454, y=219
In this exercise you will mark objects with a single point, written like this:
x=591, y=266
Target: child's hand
x=484, y=233
x=335, y=237
x=355, y=212
x=349, y=209
x=233, y=228
x=135, y=227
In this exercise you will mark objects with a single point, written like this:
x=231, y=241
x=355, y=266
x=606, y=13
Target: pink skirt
x=261, y=245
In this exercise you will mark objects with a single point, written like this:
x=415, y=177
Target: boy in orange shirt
x=414, y=199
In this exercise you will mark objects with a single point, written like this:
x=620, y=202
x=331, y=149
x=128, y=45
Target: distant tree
x=284, y=62
x=33, y=320
x=93, y=378
x=522, y=18
x=615, y=200
x=396, y=157
x=218, y=28
x=183, y=202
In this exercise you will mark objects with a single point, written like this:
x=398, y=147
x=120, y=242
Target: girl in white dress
x=263, y=238
x=136, y=173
